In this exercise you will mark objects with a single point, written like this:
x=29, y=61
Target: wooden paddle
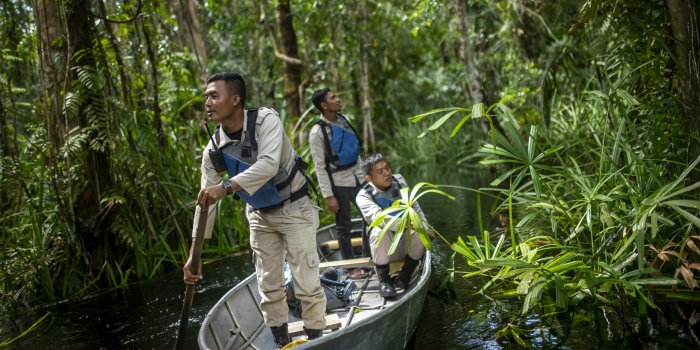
x=200, y=217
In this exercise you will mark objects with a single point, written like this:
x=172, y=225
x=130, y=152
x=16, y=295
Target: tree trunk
x=197, y=39
x=292, y=72
x=684, y=23
x=117, y=54
x=181, y=23
x=253, y=93
x=331, y=51
x=4, y=152
x=157, y=124
x=354, y=79
x=8, y=84
x=187, y=18
x=475, y=90
x=97, y=165
x=367, y=129
x=48, y=31
x=50, y=50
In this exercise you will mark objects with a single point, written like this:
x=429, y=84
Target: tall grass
x=46, y=258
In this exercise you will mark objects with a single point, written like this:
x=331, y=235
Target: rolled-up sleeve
x=318, y=155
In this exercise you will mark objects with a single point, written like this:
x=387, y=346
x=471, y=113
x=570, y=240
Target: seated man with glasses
x=380, y=192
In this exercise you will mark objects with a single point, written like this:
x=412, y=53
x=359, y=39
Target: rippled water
x=145, y=316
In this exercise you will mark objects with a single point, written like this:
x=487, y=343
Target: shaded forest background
x=102, y=125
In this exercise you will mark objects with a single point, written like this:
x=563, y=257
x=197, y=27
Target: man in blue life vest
x=335, y=149
x=263, y=169
x=380, y=192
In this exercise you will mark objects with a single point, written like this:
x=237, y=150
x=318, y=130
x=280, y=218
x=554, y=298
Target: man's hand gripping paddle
x=200, y=217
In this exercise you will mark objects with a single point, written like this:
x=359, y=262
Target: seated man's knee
x=417, y=251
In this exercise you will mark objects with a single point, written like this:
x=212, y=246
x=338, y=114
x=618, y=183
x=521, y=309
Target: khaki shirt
x=274, y=150
x=344, y=178
x=370, y=210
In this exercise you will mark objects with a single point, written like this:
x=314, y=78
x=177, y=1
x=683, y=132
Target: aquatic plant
x=5, y=344
x=405, y=218
x=582, y=230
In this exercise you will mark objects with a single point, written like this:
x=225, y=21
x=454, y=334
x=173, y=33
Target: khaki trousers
x=290, y=229
x=379, y=254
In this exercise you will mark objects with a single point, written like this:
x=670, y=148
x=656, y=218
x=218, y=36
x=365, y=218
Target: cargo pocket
x=311, y=277
x=312, y=259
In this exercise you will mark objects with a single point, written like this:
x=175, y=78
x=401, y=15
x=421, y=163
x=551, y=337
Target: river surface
x=146, y=315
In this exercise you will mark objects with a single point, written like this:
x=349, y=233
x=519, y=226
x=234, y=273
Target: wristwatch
x=228, y=186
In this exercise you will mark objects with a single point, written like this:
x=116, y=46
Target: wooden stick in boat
x=200, y=217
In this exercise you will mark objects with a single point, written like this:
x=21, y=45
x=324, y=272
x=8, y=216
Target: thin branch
x=283, y=57
x=188, y=20
x=139, y=6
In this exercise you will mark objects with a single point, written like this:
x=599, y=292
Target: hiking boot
x=386, y=287
x=281, y=335
x=312, y=334
x=404, y=278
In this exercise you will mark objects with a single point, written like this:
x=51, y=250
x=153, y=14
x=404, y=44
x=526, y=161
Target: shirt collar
x=338, y=119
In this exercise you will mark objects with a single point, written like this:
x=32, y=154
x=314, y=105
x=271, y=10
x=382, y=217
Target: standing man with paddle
x=264, y=171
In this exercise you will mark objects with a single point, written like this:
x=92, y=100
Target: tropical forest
x=554, y=147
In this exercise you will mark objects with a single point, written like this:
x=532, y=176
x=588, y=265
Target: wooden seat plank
x=297, y=328
x=356, y=243
x=359, y=262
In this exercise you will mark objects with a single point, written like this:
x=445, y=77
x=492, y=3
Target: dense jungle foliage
x=589, y=111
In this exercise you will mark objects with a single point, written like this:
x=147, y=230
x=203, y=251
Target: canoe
x=371, y=322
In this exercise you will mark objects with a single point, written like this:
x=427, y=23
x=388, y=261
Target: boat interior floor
x=366, y=300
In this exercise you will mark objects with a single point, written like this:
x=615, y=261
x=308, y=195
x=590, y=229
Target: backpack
x=338, y=294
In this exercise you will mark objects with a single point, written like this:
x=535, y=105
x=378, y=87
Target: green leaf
x=660, y=281
x=508, y=114
x=477, y=110
x=683, y=203
x=597, y=93
x=442, y=120
x=692, y=218
x=563, y=268
x=417, y=118
x=560, y=294
x=461, y=248
x=497, y=262
x=459, y=125
x=477, y=248
x=627, y=97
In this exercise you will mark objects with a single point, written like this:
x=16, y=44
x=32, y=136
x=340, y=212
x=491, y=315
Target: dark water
x=145, y=316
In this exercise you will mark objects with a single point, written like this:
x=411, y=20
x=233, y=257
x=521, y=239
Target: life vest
x=388, y=197
x=239, y=157
x=343, y=145
x=384, y=200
